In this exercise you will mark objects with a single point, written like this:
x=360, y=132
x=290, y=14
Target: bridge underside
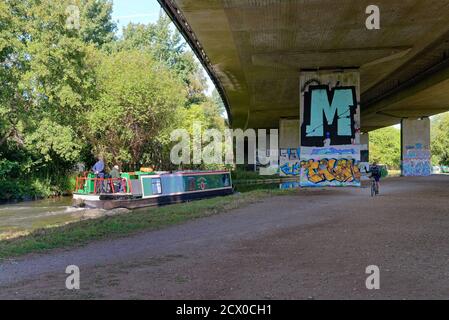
x=256, y=49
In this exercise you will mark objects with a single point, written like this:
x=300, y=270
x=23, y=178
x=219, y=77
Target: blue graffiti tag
x=291, y=170
x=331, y=151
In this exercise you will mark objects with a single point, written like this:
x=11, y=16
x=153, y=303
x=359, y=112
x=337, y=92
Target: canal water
x=24, y=217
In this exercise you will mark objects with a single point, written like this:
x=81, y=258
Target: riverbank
x=124, y=224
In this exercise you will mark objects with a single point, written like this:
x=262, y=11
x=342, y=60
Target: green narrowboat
x=143, y=189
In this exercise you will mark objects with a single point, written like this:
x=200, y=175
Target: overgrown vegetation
x=68, y=95
x=244, y=175
x=385, y=147
x=81, y=233
x=440, y=140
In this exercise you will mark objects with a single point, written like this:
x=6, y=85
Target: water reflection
x=290, y=185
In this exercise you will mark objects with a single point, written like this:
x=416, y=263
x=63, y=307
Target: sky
x=136, y=11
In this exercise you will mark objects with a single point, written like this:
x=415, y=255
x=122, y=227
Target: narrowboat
x=143, y=189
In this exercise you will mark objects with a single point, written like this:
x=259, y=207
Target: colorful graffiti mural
x=338, y=167
x=331, y=172
x=330, y=109
x=330, y=128
x=416, y=161
x=289, y=162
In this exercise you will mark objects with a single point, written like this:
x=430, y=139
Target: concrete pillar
x=415, y=145
x=288, y=133
x=330, y=128
x=364, y=147
x=364, y=155
x=289, y=152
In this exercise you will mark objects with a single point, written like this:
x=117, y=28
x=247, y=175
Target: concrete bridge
x=271, y=60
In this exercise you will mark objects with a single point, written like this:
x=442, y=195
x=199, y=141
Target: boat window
x=225, y=180
x=156, y=186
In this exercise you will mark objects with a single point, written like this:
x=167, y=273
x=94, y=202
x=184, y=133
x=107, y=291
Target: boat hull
x=135, y=203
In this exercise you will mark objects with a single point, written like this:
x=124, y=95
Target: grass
x=83, y=232
x=242, y=176
x=394, y=173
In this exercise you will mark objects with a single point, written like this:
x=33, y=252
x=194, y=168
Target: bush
x=35, y=188
x=239, y=175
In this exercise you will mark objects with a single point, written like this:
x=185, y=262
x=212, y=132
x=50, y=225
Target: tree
x=46, y=77
x=138, y=99
x=440, y=139
x=70, y=90
x=13, y=64
x=167, y=46
x=96, y=25
x=43, y=61
x=385, y=147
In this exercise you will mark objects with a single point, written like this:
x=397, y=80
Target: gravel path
x=313, y=244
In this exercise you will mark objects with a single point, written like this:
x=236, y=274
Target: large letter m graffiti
x=322, y=104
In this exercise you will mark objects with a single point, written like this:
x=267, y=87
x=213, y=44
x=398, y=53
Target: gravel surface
x=315, y=244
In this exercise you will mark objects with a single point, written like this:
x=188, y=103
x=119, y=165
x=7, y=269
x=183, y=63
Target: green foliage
x=96, y=25
x=242, y=176
x=385, y=147
x=137, y=99
x=440, y=140
x=69, y=94
x=167, y=46
x=6, y=167
x=54, y=142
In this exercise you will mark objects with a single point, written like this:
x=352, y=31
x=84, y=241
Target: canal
x=24, y=217
x=21, y=218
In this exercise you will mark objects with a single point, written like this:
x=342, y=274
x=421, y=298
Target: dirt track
x=314, y=244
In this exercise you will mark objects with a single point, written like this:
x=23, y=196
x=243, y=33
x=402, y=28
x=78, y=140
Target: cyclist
x=375, y=174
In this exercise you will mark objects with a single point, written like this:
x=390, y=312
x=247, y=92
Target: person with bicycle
x=376, y=175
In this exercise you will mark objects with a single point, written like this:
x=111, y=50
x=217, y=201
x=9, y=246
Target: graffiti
x=416, y=162
x=289, y=162
x=310, y=82
x=332, y=172
x=329, y=116
x=328, y=151
x=416, y=168
x=330, y=128
x=330, y=166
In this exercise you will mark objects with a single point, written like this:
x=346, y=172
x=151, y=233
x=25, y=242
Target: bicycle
x=374, y=188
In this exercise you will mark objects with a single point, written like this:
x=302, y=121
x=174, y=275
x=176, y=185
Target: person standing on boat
x=98, y=170
x=115, y=174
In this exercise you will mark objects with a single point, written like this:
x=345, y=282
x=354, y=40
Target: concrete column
x=364, y=147
x=330, y=128
x=415, y=145
x=364, y=156
x=289, y=153
x=288, y=133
